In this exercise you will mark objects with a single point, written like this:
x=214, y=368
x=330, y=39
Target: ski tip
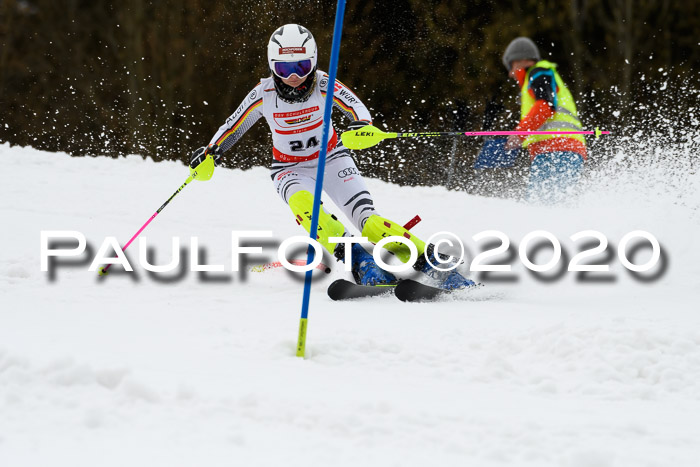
x=336, y=289
x=409, y=290
x=342, y=289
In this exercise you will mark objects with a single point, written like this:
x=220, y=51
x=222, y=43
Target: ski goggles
x=287, y=69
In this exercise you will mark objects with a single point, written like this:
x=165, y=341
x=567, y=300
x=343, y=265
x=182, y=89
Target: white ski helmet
x=291, y=43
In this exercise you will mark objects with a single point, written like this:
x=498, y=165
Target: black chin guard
x=299, y=94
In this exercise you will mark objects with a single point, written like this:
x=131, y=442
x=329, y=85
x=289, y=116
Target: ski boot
x=365, y=270
x=448, y=280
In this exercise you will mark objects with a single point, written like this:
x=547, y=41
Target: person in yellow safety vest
x=546, y=105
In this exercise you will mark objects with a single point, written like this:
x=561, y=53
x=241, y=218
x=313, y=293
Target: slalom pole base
x=301, y=343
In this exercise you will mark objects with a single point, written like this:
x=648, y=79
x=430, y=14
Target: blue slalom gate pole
x=327, y=124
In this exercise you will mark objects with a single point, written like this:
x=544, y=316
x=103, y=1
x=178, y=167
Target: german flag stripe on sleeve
x=240, y=121
x=343, y=106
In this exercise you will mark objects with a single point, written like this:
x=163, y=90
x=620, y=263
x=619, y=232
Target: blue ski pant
x=553, y=177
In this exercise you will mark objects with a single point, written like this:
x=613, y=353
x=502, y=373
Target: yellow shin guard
x=378, y=227
x=302, y=203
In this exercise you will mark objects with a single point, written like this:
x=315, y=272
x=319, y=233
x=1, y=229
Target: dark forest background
x=157, y=78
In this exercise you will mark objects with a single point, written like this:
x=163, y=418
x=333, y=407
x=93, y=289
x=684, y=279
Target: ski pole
x=203, y=171
x=369, y=135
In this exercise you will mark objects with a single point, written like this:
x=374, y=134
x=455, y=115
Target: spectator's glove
x=356, y=125
x=198, y=155
x=513, y=142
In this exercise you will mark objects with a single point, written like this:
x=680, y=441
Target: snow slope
x=147, y=370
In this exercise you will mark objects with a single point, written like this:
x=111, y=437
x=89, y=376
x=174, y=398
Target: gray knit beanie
x=521, y=48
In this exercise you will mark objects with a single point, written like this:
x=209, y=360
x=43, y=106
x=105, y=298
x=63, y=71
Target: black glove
x=198, y=155
x=356, y=125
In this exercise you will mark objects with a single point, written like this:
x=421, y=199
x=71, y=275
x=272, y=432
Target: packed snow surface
x=172, y=369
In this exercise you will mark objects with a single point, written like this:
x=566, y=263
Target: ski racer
x=292, y=101
x=546, y=105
